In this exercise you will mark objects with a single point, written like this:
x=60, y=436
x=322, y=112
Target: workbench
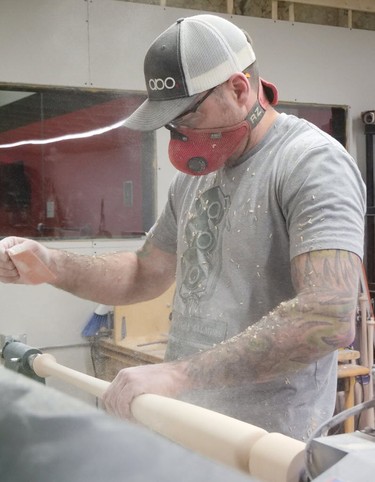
x=111, y=357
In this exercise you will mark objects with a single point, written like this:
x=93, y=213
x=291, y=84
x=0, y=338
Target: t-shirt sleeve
x=323, y=201
x=163, y=233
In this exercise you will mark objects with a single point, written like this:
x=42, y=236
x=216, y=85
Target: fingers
x=24, y=261
x=167, y=379
x=8, y=270
x=118, y=397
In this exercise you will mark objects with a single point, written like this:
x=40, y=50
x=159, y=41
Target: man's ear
x=263, y=99
x=240, y=87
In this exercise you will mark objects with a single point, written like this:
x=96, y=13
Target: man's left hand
x=167, y=379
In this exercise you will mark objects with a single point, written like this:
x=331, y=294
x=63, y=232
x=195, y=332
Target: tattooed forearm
x=317, y=321
x=326, y=270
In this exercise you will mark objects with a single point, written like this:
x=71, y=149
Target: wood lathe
x=269, y=457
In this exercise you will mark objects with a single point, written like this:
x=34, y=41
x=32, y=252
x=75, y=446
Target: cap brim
x=153, y=114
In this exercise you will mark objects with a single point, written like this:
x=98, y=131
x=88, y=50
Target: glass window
x=331, y=119
x=68, y=170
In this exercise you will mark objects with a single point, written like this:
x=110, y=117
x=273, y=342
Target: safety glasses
x=183, y=118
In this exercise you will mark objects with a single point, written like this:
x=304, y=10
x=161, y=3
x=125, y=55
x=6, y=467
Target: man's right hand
x=14, y=271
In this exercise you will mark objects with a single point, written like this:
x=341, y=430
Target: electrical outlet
x=128, y=193
x=4, y=339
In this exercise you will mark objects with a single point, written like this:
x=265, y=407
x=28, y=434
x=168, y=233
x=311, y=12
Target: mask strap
x=255, y=115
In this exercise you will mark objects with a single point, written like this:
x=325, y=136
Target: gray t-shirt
x=235, y=232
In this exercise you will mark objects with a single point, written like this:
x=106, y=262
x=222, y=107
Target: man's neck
x=262, y=128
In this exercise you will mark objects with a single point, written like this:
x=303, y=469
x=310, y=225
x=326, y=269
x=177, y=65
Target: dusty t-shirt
x=235, y=232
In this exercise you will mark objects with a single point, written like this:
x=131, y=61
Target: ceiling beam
x=358, y=5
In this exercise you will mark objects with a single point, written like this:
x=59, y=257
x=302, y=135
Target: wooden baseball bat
x=219, y=437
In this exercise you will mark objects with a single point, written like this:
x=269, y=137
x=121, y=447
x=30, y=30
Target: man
x=262, y=232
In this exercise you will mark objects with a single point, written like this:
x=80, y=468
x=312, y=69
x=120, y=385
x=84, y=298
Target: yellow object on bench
x=146, y=321
x=140, y=335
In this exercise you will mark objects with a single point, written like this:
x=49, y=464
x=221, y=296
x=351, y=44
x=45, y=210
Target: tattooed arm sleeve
x=320, y=319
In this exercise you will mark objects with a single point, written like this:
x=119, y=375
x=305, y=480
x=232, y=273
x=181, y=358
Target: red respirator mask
x=200, y=151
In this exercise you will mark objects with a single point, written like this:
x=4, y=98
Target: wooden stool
x=348, y=355
x=349, y=372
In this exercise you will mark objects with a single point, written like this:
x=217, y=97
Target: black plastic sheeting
x=46, y=436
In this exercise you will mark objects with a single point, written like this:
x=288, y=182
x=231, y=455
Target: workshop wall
x=101, y=44
x=315, y=14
